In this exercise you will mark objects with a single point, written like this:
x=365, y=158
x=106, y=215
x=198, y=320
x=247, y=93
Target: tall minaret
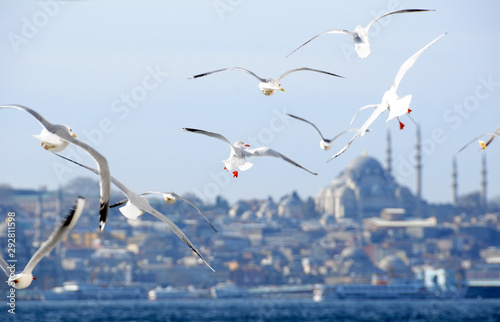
x=484, y=184
x=388, y=151
x=418, y=172
x=454, y=181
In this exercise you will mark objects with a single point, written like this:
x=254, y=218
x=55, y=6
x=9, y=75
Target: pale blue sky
x=116, y=72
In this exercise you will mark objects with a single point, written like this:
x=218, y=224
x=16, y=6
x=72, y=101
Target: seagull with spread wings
x=396, y=105
x=239, y=152
x=56, y=138
x=268, y=86
x=137, y=205
x=360, y=34
x=24, y=279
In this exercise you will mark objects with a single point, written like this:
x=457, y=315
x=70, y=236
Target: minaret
x=454, y=181
x=484, y=184
x=388, y=157
x=418, y=172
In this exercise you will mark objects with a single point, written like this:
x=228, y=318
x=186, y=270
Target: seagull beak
x=282, y=89
x=73, y=135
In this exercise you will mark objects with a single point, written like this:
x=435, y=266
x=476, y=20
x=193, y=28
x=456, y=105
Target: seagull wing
x=211, y=134
x=344, y=132
x=267, y=152
x=4, y=266
x=493, y=134
x=304, y=120
x=177, y=231
x=309, y=69
x=409, y=63
x=330, y=31
x=230, y=68
x=362, y=108
x=59, y=233
x=361, y=131
x=395, y=12
x=497, y=131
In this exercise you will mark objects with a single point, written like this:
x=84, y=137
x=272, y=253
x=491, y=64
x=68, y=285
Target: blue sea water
x=257, y=310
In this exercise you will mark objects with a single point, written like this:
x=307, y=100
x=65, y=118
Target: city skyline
x=120, y=80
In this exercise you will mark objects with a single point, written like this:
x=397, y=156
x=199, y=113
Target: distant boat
x=394, y=289
x=228, y=290
x=169, y=293
x=87, y=291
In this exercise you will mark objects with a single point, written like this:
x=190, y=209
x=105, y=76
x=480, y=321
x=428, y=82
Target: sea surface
x=256, y=310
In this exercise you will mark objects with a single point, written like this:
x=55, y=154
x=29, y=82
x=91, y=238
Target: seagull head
x=169, y=198
x=21, y=280
x=241, y=144
x=70, y=131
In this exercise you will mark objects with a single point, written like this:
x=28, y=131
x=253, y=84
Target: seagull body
x=325, y=144
x=360, y=34
x=137, y=205
x=56, y=138
x=24, y=279
x=268, y=86
x=239, y=152
x=396, y=105
x=482, y=144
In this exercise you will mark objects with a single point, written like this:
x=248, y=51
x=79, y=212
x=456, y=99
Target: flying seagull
x=268, y=86
x=239, y=152
x=325, y=144
x=56, y=138
x=396, y=105
x=24, y=279
x=482, y=144
x=360, y=34
x=137, y=205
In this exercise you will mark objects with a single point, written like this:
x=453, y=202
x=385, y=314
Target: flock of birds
x=55, y=138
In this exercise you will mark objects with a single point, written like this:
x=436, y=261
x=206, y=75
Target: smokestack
x=484, y=184
x=454, y=184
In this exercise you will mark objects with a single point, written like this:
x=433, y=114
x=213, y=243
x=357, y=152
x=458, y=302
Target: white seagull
x=169, y=197
x=56, y=138
x=325, y=144
x=360, y=34
x=239, y=152
x=137, y=205
x=482, y=144
x=396, y=105
x=24, y=279
x=268, y=86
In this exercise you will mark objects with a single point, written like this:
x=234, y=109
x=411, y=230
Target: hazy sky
x=116, y=72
